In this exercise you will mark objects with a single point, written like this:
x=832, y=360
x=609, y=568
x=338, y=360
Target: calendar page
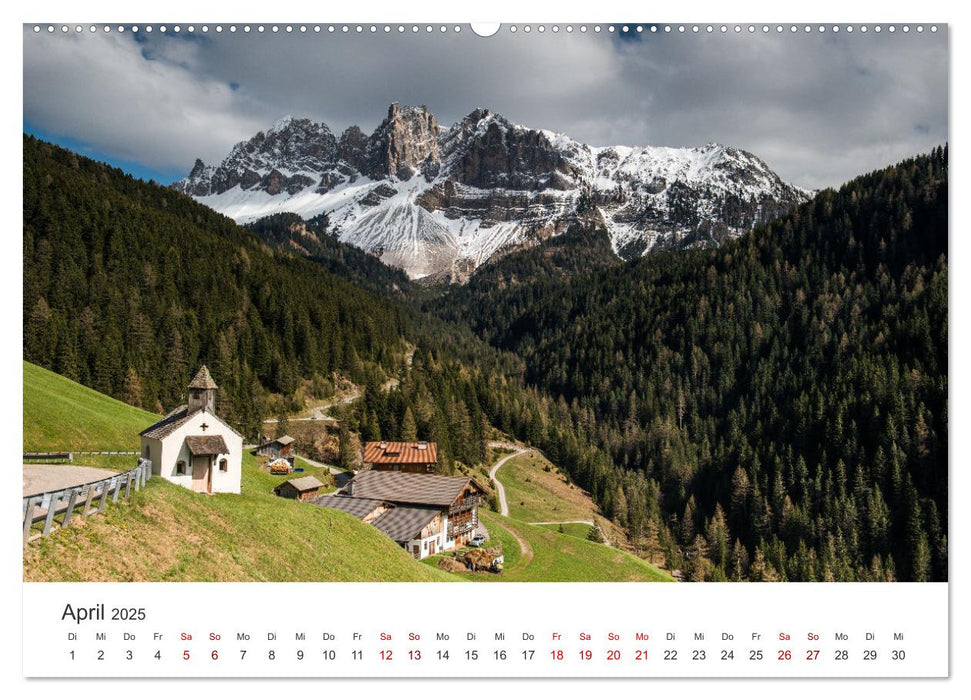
x=539, y=349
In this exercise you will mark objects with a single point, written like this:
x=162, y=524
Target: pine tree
x=345, y=448
x=718, y=537
x=132, y=390
x=282, y=424
x=409, y=431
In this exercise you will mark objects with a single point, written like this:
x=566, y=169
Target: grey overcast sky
x=818, y=108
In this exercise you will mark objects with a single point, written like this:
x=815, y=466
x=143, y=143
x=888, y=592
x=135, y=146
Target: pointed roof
x=203, y=380
x=175, y=419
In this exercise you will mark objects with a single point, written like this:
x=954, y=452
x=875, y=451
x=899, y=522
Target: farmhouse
x=413, y=457
x=281, y=447
x=192, y=446
x=424, y=513
x=306, y=488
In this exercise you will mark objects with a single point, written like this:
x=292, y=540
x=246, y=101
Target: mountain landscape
x=438, y=202
x=773, y=408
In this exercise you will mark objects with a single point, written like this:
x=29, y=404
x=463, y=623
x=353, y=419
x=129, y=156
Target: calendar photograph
x=610, y=303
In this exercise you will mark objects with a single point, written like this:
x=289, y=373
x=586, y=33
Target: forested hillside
x=785, y=395
x=313, y=239
x=129, y=286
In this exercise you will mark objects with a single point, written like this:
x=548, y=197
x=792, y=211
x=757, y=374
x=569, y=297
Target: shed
x=278, y=447
x=306, y=488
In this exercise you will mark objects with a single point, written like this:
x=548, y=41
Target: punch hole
x=485, y=29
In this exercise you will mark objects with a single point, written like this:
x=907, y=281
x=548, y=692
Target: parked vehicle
x=477, y=541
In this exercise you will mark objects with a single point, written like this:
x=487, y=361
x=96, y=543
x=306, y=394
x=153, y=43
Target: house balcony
x=462, y=528
x=465, y=506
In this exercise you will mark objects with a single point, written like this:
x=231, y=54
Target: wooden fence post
x=51, y=507
x=71, y=502
x=29, y=518
x=111, y=486
x=104, y=496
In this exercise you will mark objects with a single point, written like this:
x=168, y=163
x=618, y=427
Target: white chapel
x=192, y=446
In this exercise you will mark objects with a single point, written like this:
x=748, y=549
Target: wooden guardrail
x=69, y=456
x=92, y=498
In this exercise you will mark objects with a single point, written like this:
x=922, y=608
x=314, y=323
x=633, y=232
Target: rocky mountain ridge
x=440, y=202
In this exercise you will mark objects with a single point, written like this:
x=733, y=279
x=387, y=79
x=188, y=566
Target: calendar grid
x=744, y=630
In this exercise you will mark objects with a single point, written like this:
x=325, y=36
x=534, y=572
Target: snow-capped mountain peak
x=441, y=201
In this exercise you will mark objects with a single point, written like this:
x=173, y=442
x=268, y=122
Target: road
x=318, y=412
x=340, y=478
x=333, y=470
x=503, y=506
x=40, y=478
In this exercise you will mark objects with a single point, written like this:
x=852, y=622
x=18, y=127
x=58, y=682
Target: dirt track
x=500, y=490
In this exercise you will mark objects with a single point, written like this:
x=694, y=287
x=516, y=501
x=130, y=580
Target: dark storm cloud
x=819, y=108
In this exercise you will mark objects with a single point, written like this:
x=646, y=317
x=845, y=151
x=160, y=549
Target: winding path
x=503, y=505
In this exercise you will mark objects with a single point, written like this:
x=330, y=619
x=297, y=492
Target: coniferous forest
x=771, y=409
x=786, y=392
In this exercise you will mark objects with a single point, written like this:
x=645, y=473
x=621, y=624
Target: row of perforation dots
x=428, y=28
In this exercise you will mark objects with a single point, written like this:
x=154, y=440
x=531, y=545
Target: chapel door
x=200, y=474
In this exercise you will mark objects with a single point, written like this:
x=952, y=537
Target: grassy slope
x=580, y=530
x=557, y=557
x=168, y=533
x=62, y=415
x=536, y=495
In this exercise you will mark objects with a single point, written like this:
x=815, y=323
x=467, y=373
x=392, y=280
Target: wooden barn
x=306, y=488
x=411, y=457
x=424, y=513
x=281, y=447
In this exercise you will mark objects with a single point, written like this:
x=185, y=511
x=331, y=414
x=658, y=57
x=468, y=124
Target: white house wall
x=439, y=538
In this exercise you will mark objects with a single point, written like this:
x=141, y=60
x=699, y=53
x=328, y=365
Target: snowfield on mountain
x=441, y=202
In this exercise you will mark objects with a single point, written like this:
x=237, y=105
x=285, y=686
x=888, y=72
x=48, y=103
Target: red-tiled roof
x=400, y=453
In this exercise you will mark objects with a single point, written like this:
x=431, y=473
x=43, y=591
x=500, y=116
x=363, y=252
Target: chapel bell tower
x=202, y=392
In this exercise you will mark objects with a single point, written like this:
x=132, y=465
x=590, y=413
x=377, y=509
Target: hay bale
x=451, y=564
